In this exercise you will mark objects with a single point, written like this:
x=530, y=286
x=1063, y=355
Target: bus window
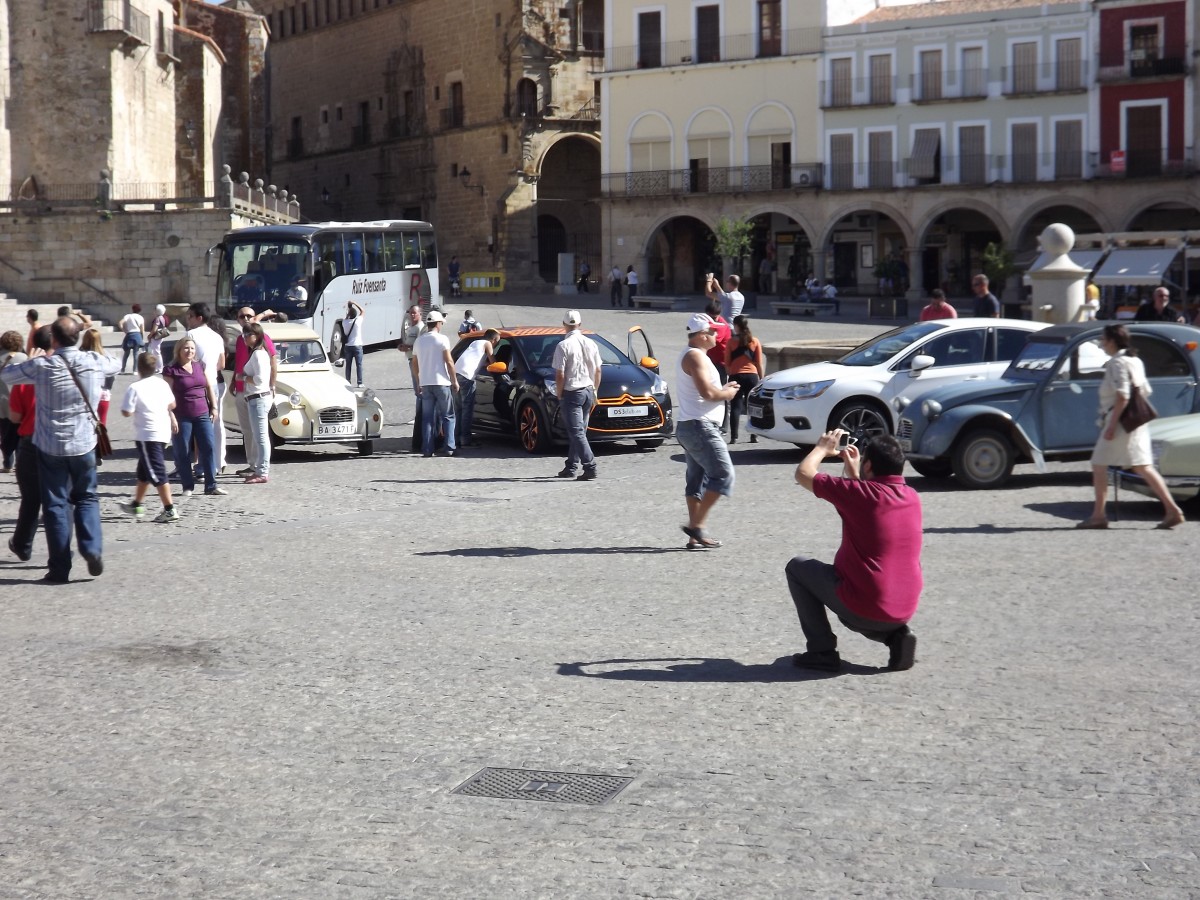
x=412, y=250
x=354, y=253
x=428, y=250
x=393, y=252
x=375, y=261
x=330, y=263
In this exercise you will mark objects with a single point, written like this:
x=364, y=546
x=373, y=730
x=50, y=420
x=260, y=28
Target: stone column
x=1058, y=284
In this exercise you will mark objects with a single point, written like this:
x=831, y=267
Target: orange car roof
x=528, y=331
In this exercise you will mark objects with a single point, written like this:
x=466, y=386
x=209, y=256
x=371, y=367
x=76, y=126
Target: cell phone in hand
x=846, y=440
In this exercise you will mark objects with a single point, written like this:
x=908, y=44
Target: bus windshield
x=261, y=274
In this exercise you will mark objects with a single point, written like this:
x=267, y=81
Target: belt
x=256, y=396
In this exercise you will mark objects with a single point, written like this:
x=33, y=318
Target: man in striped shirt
x=65, y=436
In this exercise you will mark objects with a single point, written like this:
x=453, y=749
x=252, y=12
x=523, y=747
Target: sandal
x=704, y=544
x=1170, y=522
x=1092, y=524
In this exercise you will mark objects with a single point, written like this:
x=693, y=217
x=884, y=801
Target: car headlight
x=658, y=386
x=551, y=386
x=900, y=404
x=295, y=399
x=804, y=391
x=931, y=409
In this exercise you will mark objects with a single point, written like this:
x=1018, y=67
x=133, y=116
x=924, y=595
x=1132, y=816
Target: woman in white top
x=1116, y=446
x=134, y=328
x=352, y=346
x=259, y=399
x=158, y=333
x=631, y=282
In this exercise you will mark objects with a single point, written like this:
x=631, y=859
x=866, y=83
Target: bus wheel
x=336, y=341
x=365, y=448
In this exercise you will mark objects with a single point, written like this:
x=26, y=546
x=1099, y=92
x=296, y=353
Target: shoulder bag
x=103, y=445
x=1138, y=411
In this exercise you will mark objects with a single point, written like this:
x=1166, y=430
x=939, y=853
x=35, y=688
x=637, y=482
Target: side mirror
x=921, y=363
x=649, y=362
x=497, y=368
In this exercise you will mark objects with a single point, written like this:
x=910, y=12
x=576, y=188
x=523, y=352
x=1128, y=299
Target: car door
x=1172, y=381
x=959, y=355
x=494, y=391
x=638, y=349
x=1069, y=404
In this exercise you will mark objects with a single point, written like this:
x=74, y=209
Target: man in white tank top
x=700, y=407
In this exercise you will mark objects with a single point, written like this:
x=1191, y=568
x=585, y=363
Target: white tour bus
x=385, y=267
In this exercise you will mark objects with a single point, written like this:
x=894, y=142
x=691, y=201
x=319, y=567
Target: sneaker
x=754, y=438
x=902, y=649
x=256, y=479
x=820, y=660
x=168, y=515
x=133, y=508
x=51, y=578
x=23, y=557
x=185, y=495
x=95, y=564
x=215, y=492
x=242, y=473
x=567, y=473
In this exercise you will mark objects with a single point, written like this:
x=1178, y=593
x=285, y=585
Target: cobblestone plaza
x=278, y=695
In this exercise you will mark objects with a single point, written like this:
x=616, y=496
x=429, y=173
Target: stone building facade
x=480, y=117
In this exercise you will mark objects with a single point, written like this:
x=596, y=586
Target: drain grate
x=551, y=787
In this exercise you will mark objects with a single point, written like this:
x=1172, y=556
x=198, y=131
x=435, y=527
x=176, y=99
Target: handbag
x=1138, y=411
x=103, y=445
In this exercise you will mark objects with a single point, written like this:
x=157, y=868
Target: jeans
x=201, y=429
x=813, y=585
x=69, y=491
x=218, y=428
x=616, y=293
x=30, y=486
x=131, y=344
x=8, y=441
x=709, y=467
x=436, y=410
x=464, y=410
x=737, y=406
x=258, y=450
x=353, y=355
x=576, y=407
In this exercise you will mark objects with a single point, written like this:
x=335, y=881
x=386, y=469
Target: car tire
x=864, y=419
x=337, y=341
x=983, y=458
x=932, y=468
x=366, y=448
x=649, y=443
x=532, y=431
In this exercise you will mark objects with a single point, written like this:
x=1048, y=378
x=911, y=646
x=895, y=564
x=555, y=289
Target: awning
x=1085, y=259
x=1136, y=265
x=923, y=161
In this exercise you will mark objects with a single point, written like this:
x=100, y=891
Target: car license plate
x=625, y=412
x=325, y=430
x=756, y=411
x=905, y=445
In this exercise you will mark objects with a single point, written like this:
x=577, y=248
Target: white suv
x=860, y=391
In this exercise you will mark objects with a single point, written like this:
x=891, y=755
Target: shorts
x=151, y=468
x=709, y=467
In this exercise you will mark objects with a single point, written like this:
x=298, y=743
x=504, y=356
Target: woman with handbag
x=158, y=332
x=1124, y=439
x=195, y=408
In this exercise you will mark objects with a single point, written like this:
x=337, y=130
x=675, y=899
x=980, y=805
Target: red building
x=1144, y=87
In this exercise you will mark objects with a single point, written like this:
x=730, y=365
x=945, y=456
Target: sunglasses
x=244, y=316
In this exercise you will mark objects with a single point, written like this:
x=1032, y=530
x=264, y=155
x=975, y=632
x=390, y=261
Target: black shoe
x=754, y=438
x=51, y=578
x=587, y=476
x=23, y=557
x=95, y=565
x=445, y=452
x=567, y=473
x=733, y=440
x=902, y=649
x=426, y=456
x=821, y=660
x=242, y=473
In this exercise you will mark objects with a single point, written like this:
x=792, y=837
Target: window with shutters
x=708, y=34
x=1024, y=68
x=931, y=75
x=841, y=161
x=881, y=79
x=879, y=159
x=841, y=82
x=1023, y=143
x=1068, y=64
x=1068, y=149
x=649, y=40
x=973, y=76
x=770, y=35
x=972, y=154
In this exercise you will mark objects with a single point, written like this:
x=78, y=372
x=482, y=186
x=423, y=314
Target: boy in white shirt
x=151, y=403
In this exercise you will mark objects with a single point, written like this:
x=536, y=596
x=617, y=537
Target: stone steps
x=12, y=315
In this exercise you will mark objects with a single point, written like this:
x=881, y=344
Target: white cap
x=572, y=317
x=434, y=315
x=160, y=309
x=699, y=322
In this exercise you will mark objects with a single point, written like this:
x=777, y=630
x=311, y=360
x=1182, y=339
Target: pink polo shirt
x=879, y=562
x=240, y=356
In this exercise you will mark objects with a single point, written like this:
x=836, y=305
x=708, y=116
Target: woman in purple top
x=195, y=409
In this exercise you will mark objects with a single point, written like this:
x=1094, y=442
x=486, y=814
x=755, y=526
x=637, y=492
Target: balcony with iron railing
x=843, y=93
x=120, y=16
x=1045, y=78
x=951, y=84
x=727, y=48
x=718, y=180
x=1135, y=69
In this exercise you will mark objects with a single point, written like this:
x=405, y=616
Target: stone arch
x=1100, y=219
x=678, y=251
x=528, y=103
x=984, y=209
x=568, y=193
x=1186, y=211
x=875, y=206
x=767, y=120
x=951, y=243
x=650, y=136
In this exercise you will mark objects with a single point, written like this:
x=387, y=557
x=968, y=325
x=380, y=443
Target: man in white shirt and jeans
x=436, y=382
x=470, y=361
x=577, y=369
x=210, y=353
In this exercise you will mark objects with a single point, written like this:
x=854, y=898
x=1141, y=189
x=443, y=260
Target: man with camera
x=875, y=581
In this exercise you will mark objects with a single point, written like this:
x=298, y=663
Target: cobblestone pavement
x=276, y=696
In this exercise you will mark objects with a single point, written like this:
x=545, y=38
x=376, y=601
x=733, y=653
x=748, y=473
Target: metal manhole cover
x=553, y=787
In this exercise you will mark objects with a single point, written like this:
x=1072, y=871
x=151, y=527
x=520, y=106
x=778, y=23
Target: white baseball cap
x=434, y=315
x=572, y=317
x=699, y=322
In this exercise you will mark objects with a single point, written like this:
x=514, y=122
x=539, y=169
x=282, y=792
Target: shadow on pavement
x=700, y=669
x=507, y=552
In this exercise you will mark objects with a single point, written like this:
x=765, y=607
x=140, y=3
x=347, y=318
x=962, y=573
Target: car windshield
x=539, y=350
x=1036, y=361
x=888, y=345
x=302, y=352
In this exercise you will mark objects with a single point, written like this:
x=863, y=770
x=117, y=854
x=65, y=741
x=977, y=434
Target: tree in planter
x=733, y=240
x=998, y=264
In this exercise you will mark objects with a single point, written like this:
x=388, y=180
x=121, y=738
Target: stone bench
x=658, y=301
x=800, y=307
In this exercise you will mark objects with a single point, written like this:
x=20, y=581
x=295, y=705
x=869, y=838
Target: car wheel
x=531, y=429
x=337, y=341
x=983, y=459
x=862, y=418
x=649, y=443
x=366, y=448
x=932, y=468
